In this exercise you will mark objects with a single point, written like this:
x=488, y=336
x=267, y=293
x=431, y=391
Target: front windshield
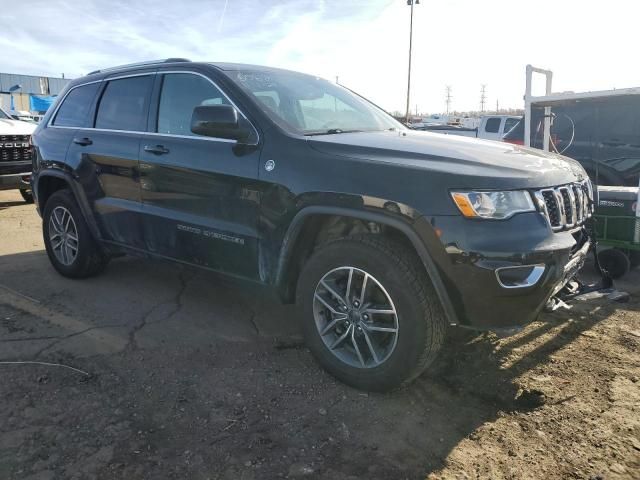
x=309, y=105
x=4, y=115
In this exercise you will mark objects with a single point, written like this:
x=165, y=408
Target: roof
x=569, y=96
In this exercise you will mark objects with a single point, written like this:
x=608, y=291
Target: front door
x=199, y=194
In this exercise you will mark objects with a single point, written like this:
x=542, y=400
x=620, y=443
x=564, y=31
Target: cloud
x=463, y=43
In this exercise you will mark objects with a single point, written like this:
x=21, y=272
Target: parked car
x=492, y=127
x=601, y=130
x=15, y=155
x=382, y=235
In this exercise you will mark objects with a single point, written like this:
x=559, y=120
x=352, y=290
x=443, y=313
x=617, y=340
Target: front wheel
x=371, y=315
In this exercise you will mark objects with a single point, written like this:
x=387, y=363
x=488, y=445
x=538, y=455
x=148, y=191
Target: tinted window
x=492, y=125
x=124, y=103
x=509, y=123
x=74, y=108
x=181, y=93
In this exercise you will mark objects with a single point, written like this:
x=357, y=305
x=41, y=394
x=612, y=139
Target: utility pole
x=448, y=97
x=411, y=4
x=483, y=96
x=497, y=106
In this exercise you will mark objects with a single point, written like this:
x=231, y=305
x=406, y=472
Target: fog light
x=519, y=276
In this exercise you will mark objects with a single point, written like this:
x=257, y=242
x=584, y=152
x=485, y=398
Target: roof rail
x=140, y=64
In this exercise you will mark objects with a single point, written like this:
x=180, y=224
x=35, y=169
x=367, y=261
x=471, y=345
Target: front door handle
x=156, y=149
x=84, y=141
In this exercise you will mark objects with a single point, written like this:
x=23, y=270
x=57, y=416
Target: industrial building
x=29, y=93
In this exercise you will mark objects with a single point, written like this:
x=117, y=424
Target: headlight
x=495, y=205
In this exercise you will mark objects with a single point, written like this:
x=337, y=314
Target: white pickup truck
x=492, y=127
x=15, y=155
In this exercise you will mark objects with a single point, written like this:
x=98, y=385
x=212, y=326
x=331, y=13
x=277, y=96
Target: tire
x=634, y=258
x=26, y=195
x=88, y=259
x=419, y=319
x=615, y=262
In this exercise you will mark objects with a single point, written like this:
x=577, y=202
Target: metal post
x=411, y=2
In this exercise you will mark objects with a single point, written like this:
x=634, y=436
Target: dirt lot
x=191, y=376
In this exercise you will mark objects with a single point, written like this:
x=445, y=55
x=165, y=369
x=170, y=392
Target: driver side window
x=180, y=94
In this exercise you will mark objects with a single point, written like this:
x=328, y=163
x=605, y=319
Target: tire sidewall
x=65, y=199
x=412, y=324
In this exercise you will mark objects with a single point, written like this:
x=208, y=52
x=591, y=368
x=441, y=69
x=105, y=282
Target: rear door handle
x=156, y=149
x=84, y=141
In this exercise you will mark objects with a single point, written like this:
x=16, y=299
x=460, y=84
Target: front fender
x=408, y=229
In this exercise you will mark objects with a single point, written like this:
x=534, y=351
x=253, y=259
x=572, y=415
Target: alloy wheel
x=63, y=235
x=355, y=317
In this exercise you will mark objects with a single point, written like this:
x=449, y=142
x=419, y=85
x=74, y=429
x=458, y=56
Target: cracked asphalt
x=190, y=375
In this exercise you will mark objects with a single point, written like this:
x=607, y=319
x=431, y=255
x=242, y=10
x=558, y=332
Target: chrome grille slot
x=14, y=148
x=566, y=206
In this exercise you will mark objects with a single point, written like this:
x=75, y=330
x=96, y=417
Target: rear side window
x=124, y=103
x=492, y=125
x=181, y=93
x=75, y=106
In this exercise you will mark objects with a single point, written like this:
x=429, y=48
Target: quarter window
x=492, y=125
x=181, y=93
x=124, y=103
x=75, y=106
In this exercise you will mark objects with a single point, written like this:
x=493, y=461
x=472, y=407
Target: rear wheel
x=634, y=258
x=614, y=261
x=70, y=246
x=371, y=316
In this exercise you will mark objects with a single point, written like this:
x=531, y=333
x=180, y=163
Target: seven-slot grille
x=15, y=148
x=566, y=206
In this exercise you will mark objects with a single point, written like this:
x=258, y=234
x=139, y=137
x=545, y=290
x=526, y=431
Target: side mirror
x=220, y=121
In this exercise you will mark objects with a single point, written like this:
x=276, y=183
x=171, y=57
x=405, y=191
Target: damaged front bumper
x=503, y=274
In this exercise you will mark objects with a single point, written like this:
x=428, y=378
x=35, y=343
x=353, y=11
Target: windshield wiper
x=332, y=131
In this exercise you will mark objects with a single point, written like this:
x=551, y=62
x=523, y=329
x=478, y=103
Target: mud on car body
x=382, y=235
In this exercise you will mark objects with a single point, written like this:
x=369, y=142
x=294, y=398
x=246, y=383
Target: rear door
x=106, y=156
x=52, y=141
x=200, y=194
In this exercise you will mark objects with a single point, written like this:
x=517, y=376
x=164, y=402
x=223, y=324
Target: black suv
x=382, y=235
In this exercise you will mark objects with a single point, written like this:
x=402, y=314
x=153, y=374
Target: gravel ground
x=187, y=375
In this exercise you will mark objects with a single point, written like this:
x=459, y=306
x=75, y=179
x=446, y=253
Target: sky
x=589, y=44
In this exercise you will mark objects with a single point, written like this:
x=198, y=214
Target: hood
x=474, y=163
x=16, y=127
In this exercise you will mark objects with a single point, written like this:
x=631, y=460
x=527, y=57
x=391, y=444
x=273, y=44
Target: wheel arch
x=298, y=244
x=50, y=181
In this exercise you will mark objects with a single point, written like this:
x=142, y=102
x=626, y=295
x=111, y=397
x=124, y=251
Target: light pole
x=410, y=3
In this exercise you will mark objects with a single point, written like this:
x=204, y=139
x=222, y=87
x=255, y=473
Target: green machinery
x=618, y=227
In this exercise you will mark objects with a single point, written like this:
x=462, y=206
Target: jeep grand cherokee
x=382, y=235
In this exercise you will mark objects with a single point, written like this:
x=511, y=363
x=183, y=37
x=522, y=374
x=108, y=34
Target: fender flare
x=78, y=194
x=295, y=228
